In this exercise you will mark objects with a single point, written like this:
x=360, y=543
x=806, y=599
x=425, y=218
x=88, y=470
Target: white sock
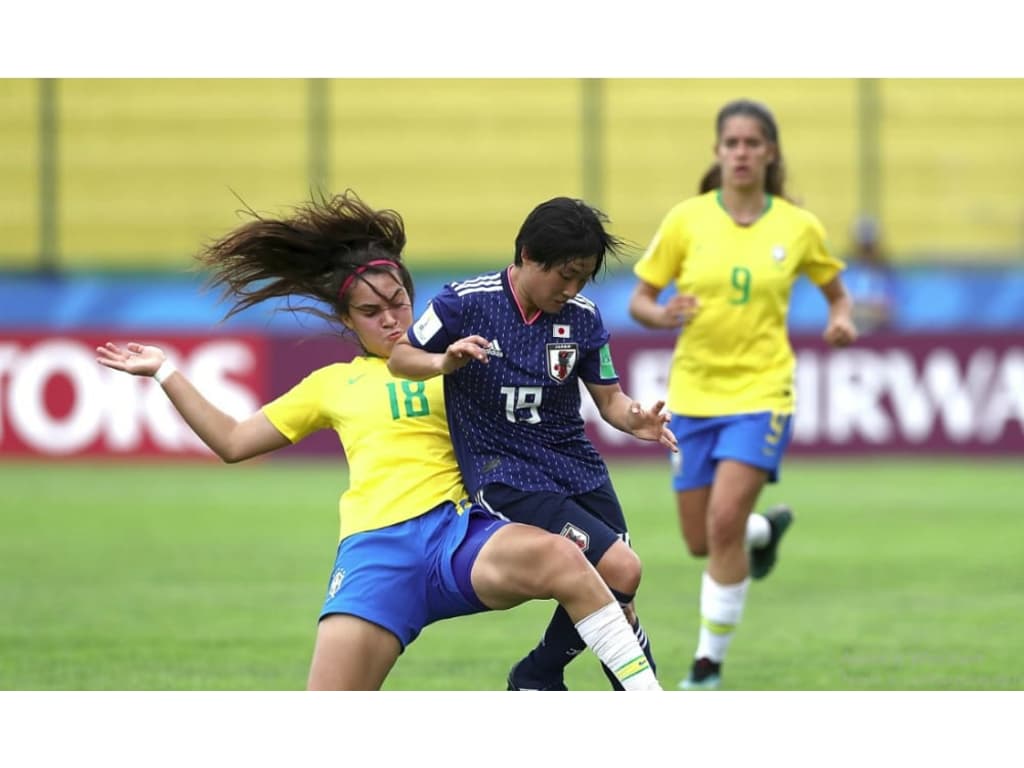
x=721, y=606
x=610, y=637
x=759, y=530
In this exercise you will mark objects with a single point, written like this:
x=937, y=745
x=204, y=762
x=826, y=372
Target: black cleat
x=519, y=682
x=762, y=559
x=705, y=675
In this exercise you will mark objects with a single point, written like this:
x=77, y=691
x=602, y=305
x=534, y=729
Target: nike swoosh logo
x=354, y=379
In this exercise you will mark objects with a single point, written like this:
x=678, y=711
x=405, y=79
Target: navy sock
x=560, y=645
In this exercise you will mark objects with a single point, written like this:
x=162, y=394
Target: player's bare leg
x=726, y=580
x=351, y=654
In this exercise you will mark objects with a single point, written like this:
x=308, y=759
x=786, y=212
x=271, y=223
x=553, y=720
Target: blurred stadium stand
x=108, y=186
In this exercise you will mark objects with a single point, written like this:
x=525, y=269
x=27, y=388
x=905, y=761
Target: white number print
x=522, y=399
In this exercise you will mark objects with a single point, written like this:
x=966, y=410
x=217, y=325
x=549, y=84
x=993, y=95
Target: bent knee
x=558, y=559
x=566, y=552
x=621, y=568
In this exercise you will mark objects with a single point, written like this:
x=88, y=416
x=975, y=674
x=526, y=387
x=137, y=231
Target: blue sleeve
x=596, y=362
x=440, y=324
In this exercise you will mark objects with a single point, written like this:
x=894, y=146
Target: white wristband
x=166, y=369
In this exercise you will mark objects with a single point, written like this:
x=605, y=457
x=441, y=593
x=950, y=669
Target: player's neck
x=744, y=204
x=526, y=307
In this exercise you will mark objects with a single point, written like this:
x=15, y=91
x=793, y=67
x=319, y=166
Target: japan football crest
x=577, y=536
x=561, y=360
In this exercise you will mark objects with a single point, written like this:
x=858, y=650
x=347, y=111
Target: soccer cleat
x=519, y=682
x=705, y=675
x=762, y=559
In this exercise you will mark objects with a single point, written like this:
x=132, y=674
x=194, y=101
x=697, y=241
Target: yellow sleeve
x=663, y=260
x=300, y=411
x=818, y=263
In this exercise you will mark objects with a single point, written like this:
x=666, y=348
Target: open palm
x=137, y=359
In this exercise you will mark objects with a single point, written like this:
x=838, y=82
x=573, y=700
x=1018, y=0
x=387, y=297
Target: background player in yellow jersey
x=732, y=254
x=412, y=549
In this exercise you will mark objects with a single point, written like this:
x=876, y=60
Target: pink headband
x=347, y=283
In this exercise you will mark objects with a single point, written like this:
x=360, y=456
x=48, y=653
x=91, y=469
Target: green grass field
x=897, y=575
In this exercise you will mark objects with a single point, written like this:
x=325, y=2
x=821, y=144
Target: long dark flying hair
x=563, y=229
x=775, y=173
x=316, y=253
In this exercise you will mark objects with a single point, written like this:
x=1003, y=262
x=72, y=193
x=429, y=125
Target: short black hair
x=565, y=228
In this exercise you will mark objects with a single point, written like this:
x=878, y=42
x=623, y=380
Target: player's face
x=379, y=312
x=743, y=152
x=549, y=289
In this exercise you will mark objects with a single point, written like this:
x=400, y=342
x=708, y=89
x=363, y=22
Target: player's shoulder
x=693, y=206
x=360, y=365
x=799, y=215
x=580, y=304
x=324, y=378
x=479, y=286
x=331, y=371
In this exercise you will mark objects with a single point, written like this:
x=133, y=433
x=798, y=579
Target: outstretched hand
x=650, y=424
x=136, y=359
x=461, y=352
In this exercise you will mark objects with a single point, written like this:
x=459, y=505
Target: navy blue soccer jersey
x=516, y=420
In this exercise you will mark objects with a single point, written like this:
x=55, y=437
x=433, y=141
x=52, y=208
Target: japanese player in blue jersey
x=513, y=402
x=733, y=253
x=412, y=548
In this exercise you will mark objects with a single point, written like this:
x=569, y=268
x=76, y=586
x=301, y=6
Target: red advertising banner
x=57, y=401
x=887, y=394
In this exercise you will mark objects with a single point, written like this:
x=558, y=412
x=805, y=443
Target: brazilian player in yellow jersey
x=390, y=428
x=732, y=253
x=734, y=355
x=413, y=550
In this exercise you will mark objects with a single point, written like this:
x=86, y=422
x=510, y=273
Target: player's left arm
x=597, y=372
x=433, y=345
x=414, y=363
x=629, y=416
x=823, y=269
x=840, y=330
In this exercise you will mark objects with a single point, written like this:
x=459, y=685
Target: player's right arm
x=656, y=269
x=645, y=309
x=232, y=440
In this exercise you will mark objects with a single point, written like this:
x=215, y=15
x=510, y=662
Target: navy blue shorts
x=758, y=439
x=593, y=520
x=412, y=573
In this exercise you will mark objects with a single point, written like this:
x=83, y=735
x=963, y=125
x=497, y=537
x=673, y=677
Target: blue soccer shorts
x=411, y=574
x=593, y=520
x=758, y=439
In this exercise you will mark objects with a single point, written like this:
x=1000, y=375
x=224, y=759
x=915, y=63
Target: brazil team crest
x=562, y=360
x=336, y=580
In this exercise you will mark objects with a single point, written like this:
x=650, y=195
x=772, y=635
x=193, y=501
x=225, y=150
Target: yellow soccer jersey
x=395, y=436
x=734, y=356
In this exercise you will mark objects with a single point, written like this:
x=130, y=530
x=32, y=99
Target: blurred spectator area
x=132, y=175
